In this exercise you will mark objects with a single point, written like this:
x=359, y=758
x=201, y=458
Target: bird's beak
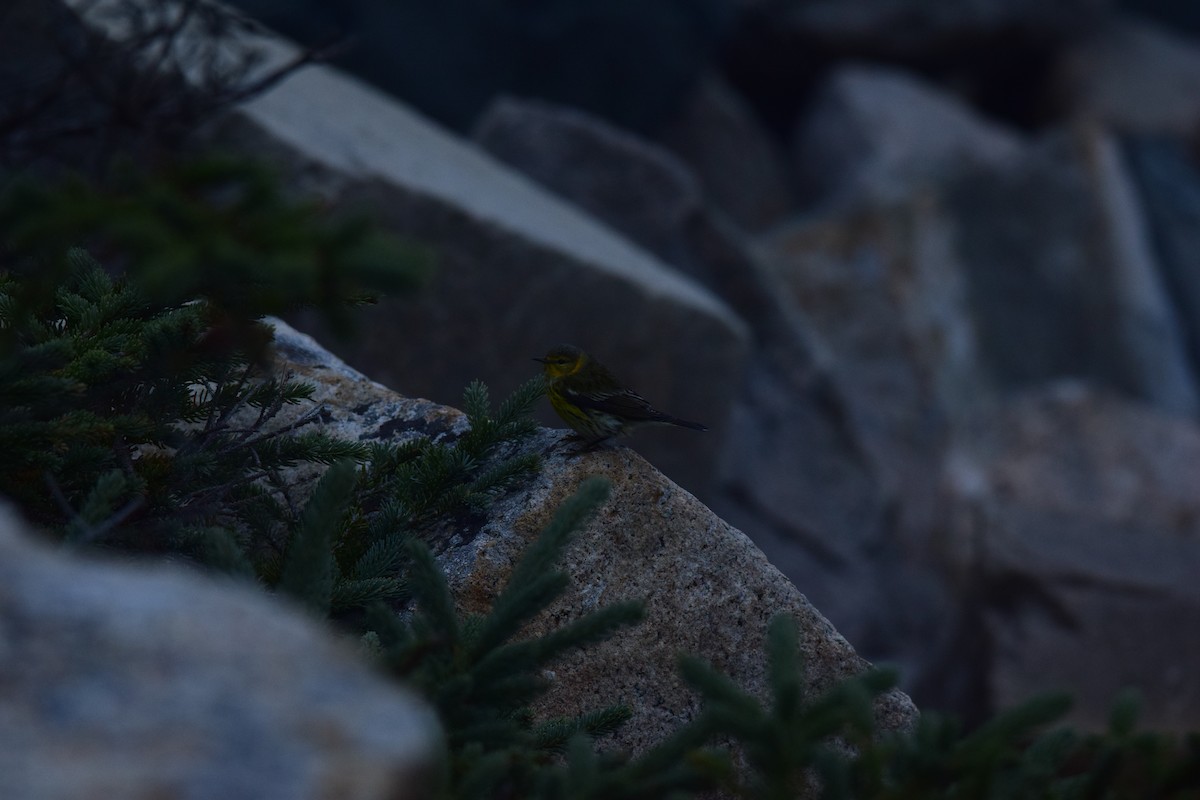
x=540, y=360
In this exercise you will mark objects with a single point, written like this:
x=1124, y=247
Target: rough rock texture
x=742, y=169
x=709, y=590
x=1168, y=177
x=1060, y=278
x=878, y=134
x=883, y=292
x=143, y=682
x=798, y=481
x=1075, y=527
x=1135, y=77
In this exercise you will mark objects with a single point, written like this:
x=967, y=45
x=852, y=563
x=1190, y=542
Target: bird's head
x=563, y=360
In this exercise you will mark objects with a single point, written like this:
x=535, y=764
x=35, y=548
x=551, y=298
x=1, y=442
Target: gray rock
x=1133, y=76
x=636, y=187
x=643, y=191
x=743, y=171
x=879, y=134
x=1168, y=177
x=1075, y=525
x=797, y=481
x=708, y=589
x=882, y=291
x=1060, y=276
x=136, y=681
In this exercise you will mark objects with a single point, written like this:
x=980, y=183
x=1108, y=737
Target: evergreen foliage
x=132, y=423
x=213, y=227
x=121, y=422
x=136, y=409
x=1020, y=754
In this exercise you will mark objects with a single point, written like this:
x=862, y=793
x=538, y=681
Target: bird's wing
x=621, y=403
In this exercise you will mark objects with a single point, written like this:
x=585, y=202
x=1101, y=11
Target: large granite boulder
x=709, y=590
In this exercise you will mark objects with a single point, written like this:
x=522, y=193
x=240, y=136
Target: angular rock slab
x=1167, y=174
x=883, y=293
x=1075, y=524
x=1060, y=275
x=880, y=134
x=135, y=681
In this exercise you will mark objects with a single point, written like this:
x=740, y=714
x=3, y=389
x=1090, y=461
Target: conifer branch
x=309, y=569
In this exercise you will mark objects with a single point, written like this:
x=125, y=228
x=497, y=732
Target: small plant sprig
x=402, y=489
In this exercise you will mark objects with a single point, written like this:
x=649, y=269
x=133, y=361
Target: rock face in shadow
x=135, y=681
x=877, y=134
x=741, y=167
x=1074, y=527
x=1061, y=278
x=1133, y=76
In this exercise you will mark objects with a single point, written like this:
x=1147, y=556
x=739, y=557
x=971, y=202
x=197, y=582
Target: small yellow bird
x=593, y=402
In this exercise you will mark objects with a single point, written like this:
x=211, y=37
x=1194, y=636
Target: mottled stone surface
x=709, y=591
x=1074, y=524
x=143, y=682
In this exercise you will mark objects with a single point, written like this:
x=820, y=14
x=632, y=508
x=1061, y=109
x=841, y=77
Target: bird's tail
x=683, y=423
